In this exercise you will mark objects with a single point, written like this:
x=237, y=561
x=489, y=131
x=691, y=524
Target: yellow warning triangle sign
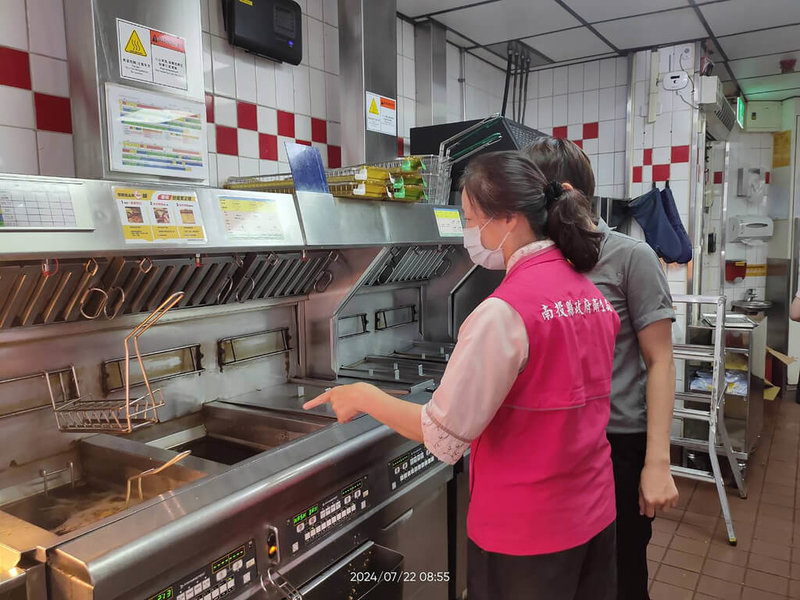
x=373, y=108
x=134, y=45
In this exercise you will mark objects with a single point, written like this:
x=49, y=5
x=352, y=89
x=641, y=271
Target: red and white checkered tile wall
x=35, y=120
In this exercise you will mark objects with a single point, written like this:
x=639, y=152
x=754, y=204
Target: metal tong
x=154, y=471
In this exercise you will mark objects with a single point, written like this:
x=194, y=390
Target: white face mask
x=480, y=255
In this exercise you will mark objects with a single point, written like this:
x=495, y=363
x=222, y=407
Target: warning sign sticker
x=151, y=56
x=381, y=114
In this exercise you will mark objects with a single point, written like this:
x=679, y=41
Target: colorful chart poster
x=149, y=216
x=151, y=56
x=448, y=220
x=156, y=134
x=251, y=218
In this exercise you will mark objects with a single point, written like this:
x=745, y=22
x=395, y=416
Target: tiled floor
x=689, y=554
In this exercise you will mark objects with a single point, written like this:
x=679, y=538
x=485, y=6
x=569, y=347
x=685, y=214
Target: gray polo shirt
x=631, y=277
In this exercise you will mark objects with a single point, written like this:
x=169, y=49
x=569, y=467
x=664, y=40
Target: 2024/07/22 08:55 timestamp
x=400, y=576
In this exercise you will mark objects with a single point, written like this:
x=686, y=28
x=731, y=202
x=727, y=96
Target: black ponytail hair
x=504, y=183
x=562, y=160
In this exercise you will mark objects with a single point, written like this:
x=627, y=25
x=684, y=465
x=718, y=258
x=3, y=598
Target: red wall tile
x=53, y=113
x=267, y=146
x=285, y=124
x=319, y=131
x=637, y=174
x=401, y=147
x=247, y=116
x=209, y=108
x=766, y=177
x=648, y=156
x=680, y=154
x=15, y=68
x=227, y=140
x=660, y=172
x=578, y=143
x=560, y=132
x=591, y=131
x=717, y=176
x=303, y=142
x=334, y=157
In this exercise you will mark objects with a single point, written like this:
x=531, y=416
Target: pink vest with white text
x=540, y=473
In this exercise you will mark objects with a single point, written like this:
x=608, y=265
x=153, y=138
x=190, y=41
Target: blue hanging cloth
x=671, y=211
x=648, y=210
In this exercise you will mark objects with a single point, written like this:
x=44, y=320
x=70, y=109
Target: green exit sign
x=740, y=111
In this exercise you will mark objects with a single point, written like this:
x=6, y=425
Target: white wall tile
x=224, y=71
x=607, y=75
x=208, y=64
x=605, y=169
x=545, y=110
x=593, y=161
x=215, y=20
x=591, y=75
x=302, y=128
x=318, y=96
x=648, y=136
x=49, y=75
x=334, y=134
x=408, y=40
x=622, y=70
x=590, y=106
x=211, y=134
x=591, y=147
x=225, y=111
x=18, y=151
x=560, y=105
x=605, y=104
x=314, y=9
x=647, y=174
x=265, y=83
x=304, y=24
x=399, y=26
x=409, y=116
x=333, y=105
x=331, y=43
x=575, y=78
x=267, y=120
x=245, y=69
x=56, y=155
x=560, y=81
x=681, y=128
x=620, y=135
x=575, y=108
x=533, y=84
x=400, y=88
x=330, y=9
x=248, y=143
x=17, y=108
x=316, y=44
x=532, y=113
x=267, y=167
x=46, y=29
x=283, y=167
x=575, y=131
x=620, y=173
x=621, y=102
x=409, y=79
x=13, y=24
x=606, y=136
x=661, y=156
x=205, y=22
x=302, y=91
x=213, y=181
x=249, y=167
x=679, y=172
x=282, y=141
x=545, y=83
x=284, y=87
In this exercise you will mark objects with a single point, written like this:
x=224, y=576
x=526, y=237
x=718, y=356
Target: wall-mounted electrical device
x=677, y=80
x=269, y=28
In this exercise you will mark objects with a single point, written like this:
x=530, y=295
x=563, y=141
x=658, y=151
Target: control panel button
x=246, y=578
x=206, y=584
x=348, y=499
x=189, y=594
x=357, y=494
x=300, y=528
x=181, y=597
x=251, y=563
x=311, y=521
x=214, y=594
x=198, y=589
x=230, y=585
x=397, y=470
x=405, y=466
x=296, y=546
x=363, y=504
x=366, y=493
x=222, y=574
x=207, y=596
x=237, y=566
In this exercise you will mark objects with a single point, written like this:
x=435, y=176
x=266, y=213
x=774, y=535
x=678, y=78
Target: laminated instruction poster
x=381, y=114
x=156, y=134
x=448, y=220
x=151, y=56
x=251, y=218
x=152, y=216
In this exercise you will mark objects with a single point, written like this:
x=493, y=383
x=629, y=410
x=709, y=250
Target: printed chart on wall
x=448, y=220
x=251, y=218
x=381, y=114
x=156, y=134
x=152, y=216
x=48, y=208
x=151, y=56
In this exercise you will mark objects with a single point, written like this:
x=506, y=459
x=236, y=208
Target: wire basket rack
x=84, y=413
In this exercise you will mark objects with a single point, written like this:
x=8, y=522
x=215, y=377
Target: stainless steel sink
x=752, y=305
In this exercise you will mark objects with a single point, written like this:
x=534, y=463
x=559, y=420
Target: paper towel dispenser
x=749, y=229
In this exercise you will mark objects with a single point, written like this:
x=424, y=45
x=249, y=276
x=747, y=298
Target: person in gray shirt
x=631, y=278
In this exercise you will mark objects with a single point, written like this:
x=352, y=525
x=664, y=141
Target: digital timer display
x=400, y=460
x=220, y=563
x=305, y=514
x=163, y=595
x=352, y=488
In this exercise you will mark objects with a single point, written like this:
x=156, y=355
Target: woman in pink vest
x=527, y=389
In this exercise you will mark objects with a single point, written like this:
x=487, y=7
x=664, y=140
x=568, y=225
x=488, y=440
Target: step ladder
x=718, y=442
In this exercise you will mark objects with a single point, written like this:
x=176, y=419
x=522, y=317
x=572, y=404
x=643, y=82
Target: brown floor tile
x=679, y=577
x=782, y=537
x=689, y=545
x=729, y=554
x=695, y=531
x=652, y=567
x=664, y=591
x=782, y=501
x=718, y=588
x=766, y=582
x=655, y=552
x=795, y=571
x=683, y=560
x=699, y=596
x=661, y=539
x=781, y=514
x=665, y=525
x=779, y=551
x=723, y=570
x=775, y=566
x=794, y=589
x=754, y=594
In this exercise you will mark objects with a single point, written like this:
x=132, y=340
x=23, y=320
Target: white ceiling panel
x=569, y=45
x=773, y=41
x=603, y=10
x=416, y=8
x=722, y=71
x=490, y=57
x=653, y=30
x=739, y=16
x=763, y=65
x=771, y=83
x=774, y=95
x=508, y=20
x=458, y=40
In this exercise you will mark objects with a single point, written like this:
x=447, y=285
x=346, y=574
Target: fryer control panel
x=410, y=465
x=325, y=516
x=222, y=578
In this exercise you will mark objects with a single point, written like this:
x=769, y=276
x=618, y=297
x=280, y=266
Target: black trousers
x=633, y=530
x=587, y=572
